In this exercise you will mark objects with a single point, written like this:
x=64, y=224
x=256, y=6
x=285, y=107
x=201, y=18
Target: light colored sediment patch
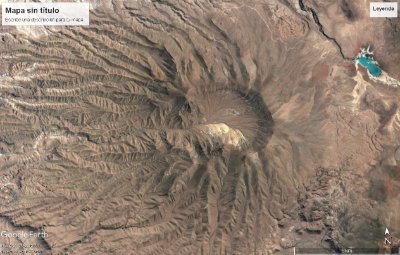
x=224, y=134
x=358, y=91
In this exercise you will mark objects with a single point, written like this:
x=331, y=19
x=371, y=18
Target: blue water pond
x=369, y=63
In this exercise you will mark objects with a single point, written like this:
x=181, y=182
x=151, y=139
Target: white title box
x=383, y=10
x=48, y=14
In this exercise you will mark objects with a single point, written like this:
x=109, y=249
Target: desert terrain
x=201, y=127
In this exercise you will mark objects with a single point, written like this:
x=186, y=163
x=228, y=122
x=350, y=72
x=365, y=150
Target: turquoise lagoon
x=367, y=61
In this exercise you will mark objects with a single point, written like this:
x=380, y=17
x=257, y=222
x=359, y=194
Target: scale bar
x=358, y=251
